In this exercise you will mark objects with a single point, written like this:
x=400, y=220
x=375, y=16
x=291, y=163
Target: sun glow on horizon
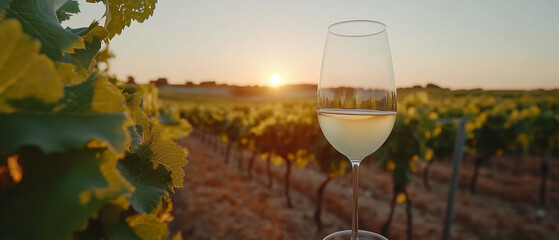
x=275, y=81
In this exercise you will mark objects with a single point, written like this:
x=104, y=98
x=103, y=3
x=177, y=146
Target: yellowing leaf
x=107, y=97
x=433, y=116
x=336, y=170
x=437, y=131
x=70, y=123
x=136, y=113
x=17, y=48
x=150, y=99
x=177, y=131
x=23, y=72
x=168, y=154
x=68, y=73
x=429, y=154
x=390, y=165
x=148, y=227
x=401, y=198
x=163, y=211
x=117, y=183
x=276, y=160
x=97, y=32
x=177, y=236
x=121, y=13
x=427, y=134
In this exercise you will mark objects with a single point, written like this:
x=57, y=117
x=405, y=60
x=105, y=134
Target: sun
x=275, y=81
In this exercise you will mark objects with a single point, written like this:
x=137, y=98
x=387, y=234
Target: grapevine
x=75, y=142
x=285, y=132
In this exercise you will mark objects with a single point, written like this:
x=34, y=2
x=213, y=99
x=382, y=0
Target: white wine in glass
x=356, y=104
x=356, y=133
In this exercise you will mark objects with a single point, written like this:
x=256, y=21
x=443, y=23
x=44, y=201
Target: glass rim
x=357, y=35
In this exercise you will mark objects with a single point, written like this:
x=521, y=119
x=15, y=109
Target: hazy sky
x=458, y=44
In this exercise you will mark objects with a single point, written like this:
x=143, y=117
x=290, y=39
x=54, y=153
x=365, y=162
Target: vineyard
x=84, y=155
x=508, y=184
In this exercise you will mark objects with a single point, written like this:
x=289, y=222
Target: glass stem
x=355, y=217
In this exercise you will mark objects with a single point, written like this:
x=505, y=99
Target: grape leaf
x=151, y=184
x=121, y=13
x=148, y=226
x=38, y=18
x=153, y=168
x=94, y=96
x=121, y=230
x=135, y=132
x=59, y=133
x=92, y=36
x=167, y=117
x=67, y=9
x=178, y=236
x=68, y=188
x=3, y=5
x=117, y=185
x=23, y=72
x=68, y=73
x=86, y=56
x=167, y=153
x=172, y=125
x=90, y=110
x=182, y=129
x=133, y=102
x=150, y=103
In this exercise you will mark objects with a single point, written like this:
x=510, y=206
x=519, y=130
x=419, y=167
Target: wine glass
x=356, y=105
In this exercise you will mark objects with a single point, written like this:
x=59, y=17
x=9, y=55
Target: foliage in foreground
x=81, y=156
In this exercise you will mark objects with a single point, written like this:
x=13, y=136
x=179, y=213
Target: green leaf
x=91, y=110
x=38, y=18
x=151, y=184
x=92, y=36
x=135, y=135
x=59, y=133
x=23, y=72
x=121, y=230
x=121, y=13
x=153, y=168
x=109, y=216
x=69, y=8
x=3, y=5
x=58, y=193
x=85, y=57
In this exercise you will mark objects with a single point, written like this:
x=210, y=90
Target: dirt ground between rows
x=221, y=202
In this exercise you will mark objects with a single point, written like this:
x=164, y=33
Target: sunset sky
x=467, y=44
